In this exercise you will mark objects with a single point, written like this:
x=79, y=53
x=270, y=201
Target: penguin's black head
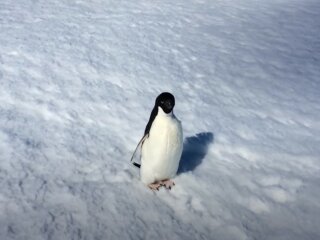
x=166, y=101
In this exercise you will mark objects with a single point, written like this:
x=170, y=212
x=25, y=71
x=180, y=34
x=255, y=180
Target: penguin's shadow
x=195, y=148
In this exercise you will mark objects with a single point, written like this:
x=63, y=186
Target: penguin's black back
x=153, y=115
x=146, y=131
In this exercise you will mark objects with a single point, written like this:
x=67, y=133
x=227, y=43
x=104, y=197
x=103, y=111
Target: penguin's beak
x=168, y=105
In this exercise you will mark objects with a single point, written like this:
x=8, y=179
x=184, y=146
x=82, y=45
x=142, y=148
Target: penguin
x=161, y=145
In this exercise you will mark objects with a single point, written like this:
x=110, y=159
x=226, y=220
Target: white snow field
x=78, y=80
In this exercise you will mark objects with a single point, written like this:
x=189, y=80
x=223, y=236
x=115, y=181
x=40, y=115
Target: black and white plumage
x=161, y=146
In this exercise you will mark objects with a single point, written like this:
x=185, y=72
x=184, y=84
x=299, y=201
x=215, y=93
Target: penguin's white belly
x=161, y=151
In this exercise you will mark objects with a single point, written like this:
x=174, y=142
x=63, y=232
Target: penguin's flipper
x=137, y=151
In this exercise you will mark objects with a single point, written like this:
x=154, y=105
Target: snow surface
x=78, y=81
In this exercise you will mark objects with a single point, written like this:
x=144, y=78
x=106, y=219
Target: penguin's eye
x=162, y=102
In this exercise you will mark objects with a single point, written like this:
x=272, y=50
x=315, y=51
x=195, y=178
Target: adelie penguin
x=161, y=145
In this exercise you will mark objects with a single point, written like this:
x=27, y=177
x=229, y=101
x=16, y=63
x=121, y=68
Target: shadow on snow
x=195, y=149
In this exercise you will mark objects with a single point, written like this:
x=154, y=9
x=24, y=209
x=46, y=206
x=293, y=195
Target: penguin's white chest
x=161, y=151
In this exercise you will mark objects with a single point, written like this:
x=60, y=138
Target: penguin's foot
x=155, y=186
x=168, y=184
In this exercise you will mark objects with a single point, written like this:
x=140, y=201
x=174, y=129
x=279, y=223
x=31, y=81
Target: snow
x=78, y=81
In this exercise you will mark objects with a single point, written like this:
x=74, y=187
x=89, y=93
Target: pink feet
x=168, y=184
x=155, y=186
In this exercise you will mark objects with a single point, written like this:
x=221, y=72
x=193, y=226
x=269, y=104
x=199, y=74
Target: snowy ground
x=77, y=83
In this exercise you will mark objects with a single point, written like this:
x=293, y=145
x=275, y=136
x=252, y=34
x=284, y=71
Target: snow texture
x=78, y=80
